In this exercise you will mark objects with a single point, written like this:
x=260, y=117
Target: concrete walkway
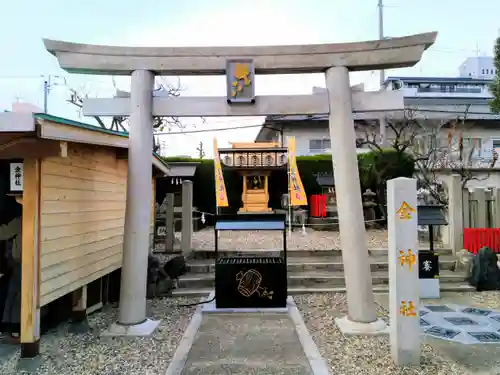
x=238, y=343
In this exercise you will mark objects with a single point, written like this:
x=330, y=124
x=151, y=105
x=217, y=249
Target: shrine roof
x=251, y=221
x=325, y=180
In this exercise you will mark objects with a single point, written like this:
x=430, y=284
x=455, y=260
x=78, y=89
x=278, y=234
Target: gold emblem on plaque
x=249, y=284
x=241, y=78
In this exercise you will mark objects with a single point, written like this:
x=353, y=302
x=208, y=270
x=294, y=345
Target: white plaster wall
x=302, y=137
x=304, y=134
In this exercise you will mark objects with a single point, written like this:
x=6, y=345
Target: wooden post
x=466, y=208
x=170, y=224
x=187, y=218
x=496, y=208
x=244, y=193
x=455, y=213
x=404, y=299
x=80, y=304
x=30, y=260
x=479, y=195
x=79, y=311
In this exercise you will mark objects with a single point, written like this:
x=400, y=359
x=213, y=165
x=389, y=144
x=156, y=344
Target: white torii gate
x=335, y=60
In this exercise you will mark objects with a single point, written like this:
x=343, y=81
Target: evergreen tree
x=495, y=86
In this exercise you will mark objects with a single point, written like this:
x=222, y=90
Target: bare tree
x=201, y=150
x=120, y=123
x=435, y=145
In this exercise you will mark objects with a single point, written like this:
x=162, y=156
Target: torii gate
x=335, y=60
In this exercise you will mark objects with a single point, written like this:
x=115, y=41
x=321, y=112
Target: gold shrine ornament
x=241, y=78
x=405, y=211
x=249, y=284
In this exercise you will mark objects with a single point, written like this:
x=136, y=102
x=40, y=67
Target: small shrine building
x=254, y=161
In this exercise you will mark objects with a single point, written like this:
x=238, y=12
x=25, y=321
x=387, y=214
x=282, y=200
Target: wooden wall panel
x=82, y=218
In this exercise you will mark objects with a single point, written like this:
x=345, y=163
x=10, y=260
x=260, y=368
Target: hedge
x=375, y=169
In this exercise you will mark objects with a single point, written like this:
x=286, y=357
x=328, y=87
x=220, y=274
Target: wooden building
x=74, y=197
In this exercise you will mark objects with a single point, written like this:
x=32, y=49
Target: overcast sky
x=466, y=28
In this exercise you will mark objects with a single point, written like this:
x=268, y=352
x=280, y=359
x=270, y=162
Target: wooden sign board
x=16, y=175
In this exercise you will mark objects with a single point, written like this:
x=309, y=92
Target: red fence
x=476, y=238
x=317, y=205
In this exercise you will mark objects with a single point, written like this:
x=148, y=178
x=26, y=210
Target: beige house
x=74, y=180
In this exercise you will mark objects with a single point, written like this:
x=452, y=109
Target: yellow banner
x=220, y=187
x=297, y=193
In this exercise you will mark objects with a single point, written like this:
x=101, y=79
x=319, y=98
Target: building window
x=319, y=145
x=482, y=71
x=448, y=88
x=496, y=143
x=473, y=143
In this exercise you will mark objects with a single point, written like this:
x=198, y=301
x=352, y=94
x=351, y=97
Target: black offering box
x=427, y=259
x=250, y=281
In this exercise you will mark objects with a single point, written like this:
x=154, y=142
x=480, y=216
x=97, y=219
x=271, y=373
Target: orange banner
x=220, y=187
x=297, y=193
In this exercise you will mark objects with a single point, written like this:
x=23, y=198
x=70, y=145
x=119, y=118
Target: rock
x=484, y=273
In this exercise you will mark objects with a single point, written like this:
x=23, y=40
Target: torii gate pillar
x=362, y=318
x=132, y=311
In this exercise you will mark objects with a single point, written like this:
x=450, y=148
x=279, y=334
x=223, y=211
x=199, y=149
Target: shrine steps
x=307, y=264
x=313, y=271
x=311, y=279
x=380, y=289
x=307, y=253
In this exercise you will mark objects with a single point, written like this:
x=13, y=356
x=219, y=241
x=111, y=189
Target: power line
x=22, y=77
x=452, y=112
x=210, y=130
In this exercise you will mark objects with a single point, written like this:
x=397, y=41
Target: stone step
x=210, y=254
x=199, y=292
x=326, y=263
x=309, y=279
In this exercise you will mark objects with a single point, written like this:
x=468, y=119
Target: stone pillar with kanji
x=404, y=289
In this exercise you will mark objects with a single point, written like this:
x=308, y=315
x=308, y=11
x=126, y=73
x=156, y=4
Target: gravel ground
x=360, y=355
x=316, y=240
x=64, y=353
x=487, y=300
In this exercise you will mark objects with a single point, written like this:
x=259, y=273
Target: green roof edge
x=82, y=125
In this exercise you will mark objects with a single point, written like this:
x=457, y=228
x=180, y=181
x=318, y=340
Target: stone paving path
x=476, y=354
x=238, y=343
x=466, y=325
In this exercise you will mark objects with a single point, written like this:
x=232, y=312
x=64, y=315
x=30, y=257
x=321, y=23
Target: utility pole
x=381, y=34
x=382, y=119
x=47, y=86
